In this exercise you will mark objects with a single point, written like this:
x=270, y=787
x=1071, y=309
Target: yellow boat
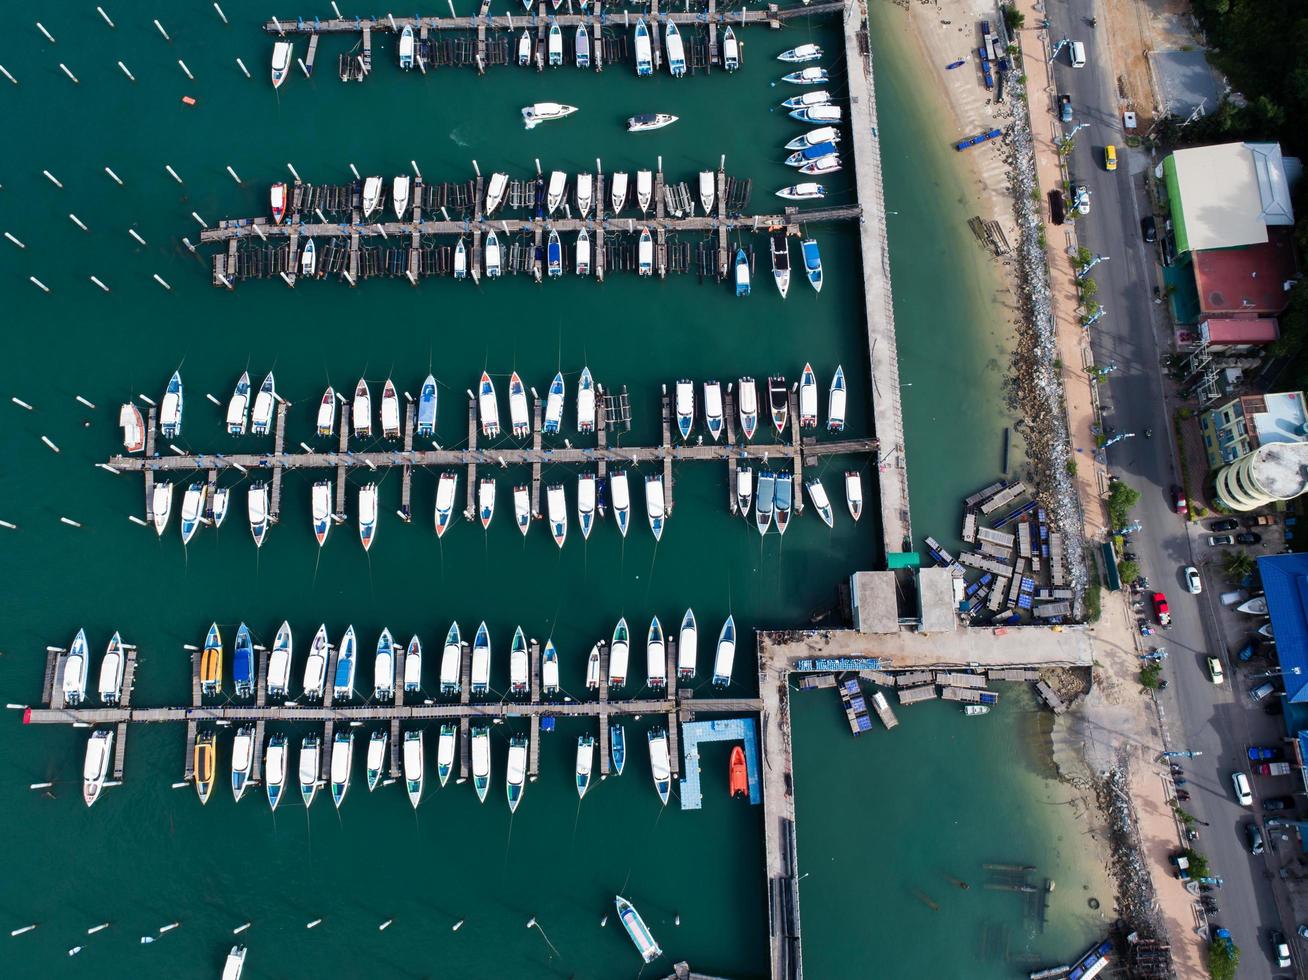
x=211, y=662
x=206, y=763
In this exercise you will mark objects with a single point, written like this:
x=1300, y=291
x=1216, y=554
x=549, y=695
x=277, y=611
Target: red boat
x=739, y=774
x=278, y=201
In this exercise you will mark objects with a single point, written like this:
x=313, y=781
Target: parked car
x=1265, y=753
x=1260, y=692
x=1082, y=199
x=1280, y=949
x=1149, y=228
x=1260, y=520
x=1271, y=768
x=1193, y=584
x=1179, y=503
x=1243, y=794
x=1220, y=540
x=1272, y=803
x=1248, y=537
x=1225, y=524
x=1110, y=158
x=1162, y=610
x=1215, y=670
x=1065, y=108
x=1254, y=836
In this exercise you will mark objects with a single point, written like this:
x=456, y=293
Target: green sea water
x=148, y=855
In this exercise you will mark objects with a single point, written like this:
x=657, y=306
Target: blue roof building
x=1285, y=582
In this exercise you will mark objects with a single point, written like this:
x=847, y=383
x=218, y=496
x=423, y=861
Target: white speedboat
x=372, y=194
x=481, y=760
x=518, y=682
x=815, y=137
x=308, y=258
x=257, y=501
x=413, y=766
x=707, y=190
x=713, y=409
x=279, y=662
x=446, y=746
x=554, y=46
x=802, y=157
x=807, y=76
x=781, y=263
x=619, y=654
x=555, y=190
x=95, y=767
x=554, y=405
x=347, y=660
x=807, y=100
x=685, y=407
x=582, y=46
x=498, y=184
x=646, y=122
x=747, y=404
x=310, y=762
x=593, y=668
x=264, y=402
x=361, y=417
x=445, y=492
x=488, y=407
x=326, y=422
x=133, y=426
x=390, y=411
x=452, y=660
x=534, y=115
x=238, y=406
x=583, y=252
x=730, y=51
x=618, y=191
x=656, y=656
x=111, y=671
x=277, y=202
x=817, y=114
x=492, y=254
x=659, y=763
x=725, y=655
x=556, y=506
x=161, y=506
x=375, y=763
x=803, y=192
x=744, y=489
x=854, y=493
x=808, y=398
x=836, y=402
x=486, y=501
x=274, y=769
x=315, y=667
x=687, y=646
x=383, y=671
x=676, y=51
x=400, y=187
x=218, y=506
x=192, y=510
x=341, y=764
x=585, y=193
x=644, y=51
x=519, y=413
x=585, y=763
x=586, y=503
x=644, y=189
x=585, y=401
x=481, y=660
x=321, y=506
x=620, y=498
x=243, y=749
x=461, y=259
x=368, y=514
x=524, y=50
x=281, y=62
x=522, y=508
x=655, y=505
x=818, y=494
x=170, y=409
x=549, y=667
x=828, y=164
x=406, y=48
x=801, y=54
x=645, y=253
x=427, y=407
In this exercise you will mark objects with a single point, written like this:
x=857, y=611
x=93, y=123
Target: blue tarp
x=1285, y=582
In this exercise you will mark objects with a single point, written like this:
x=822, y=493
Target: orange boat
x=739, y=775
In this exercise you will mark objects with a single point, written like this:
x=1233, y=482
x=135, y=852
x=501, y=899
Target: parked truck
x=1272, y=768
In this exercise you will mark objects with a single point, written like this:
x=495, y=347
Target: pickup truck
x=1261, y=520
x=1065, y=108
x=1272, y=768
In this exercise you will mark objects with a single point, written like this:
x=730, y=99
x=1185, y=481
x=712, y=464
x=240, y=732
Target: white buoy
x=53, y=179
x=136, y=520
x=389, y=17
x=303, y=67
x=457, y=926
x=14, y=240
x=160, y=280
x=7, y=75
x=278, y=24
x=74, y=950
x=240, y=929
x=48, y=36
x=203, y=223
x=209, y=395
x=100, y=11
x=39, y=284
x=40, y=785
x=177, y=449
x=180, y=785
x=19, y=932
x=146, y=940
x=100, y=928
x=314, y=924
x=46, y=440
x=243, y=470
x=306, y=447
x=385, y=925
x=258, y=230
x=117, y=180
x=16, y=707
x=355, y=171
x=288, y=280
x=6, y=524
x=107, y=468
x=69, y=73
x=133, y=232
x=292, y=170
x=233, y=173
x=146, y=398
x=126, y=71
x=83, y=401
x=69, y=521
x=416, y=171
x=77, y=221
x=220, y=12
x=172, y=173
x=241, y=65
x=162, y=31
x=168, y=928
x=185, y=69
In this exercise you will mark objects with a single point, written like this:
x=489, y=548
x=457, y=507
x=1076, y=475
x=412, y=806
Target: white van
x=1077, y=50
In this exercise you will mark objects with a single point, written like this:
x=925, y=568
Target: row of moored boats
x=817, y=151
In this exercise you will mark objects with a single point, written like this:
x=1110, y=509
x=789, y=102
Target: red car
x=1162, y=610
x=1179, y=503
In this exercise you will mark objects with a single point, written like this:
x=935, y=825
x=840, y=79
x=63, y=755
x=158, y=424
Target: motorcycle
x=1183, y=796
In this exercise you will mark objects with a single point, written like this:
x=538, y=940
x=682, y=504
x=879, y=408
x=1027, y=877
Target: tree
x=1014, y=19
x=1121, y=498
x=1223, y=959
x=1128, y=571
x=1198, y=863
x=1238, y=565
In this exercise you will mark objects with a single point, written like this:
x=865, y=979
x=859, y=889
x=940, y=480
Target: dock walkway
x=718, y=730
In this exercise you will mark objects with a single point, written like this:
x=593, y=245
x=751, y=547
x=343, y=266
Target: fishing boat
x=492, y=255
x=279, y=662
x=807, y=100
x=972, y=710
x=801, y=54
x=582, y=47
x=817, y=114
x=489, y=408
x=955, y=64
x=726, y=653
x=238, y=405
x=644, y=189
x=554, y=405
x=713, y=409
x=315, y=667
x=376, y=758
x=372, y=194
x=809, y=153
x=554, y=46
x=854, y=493
x=644, y=57
x=1257, y=606
x=277, y=202
x=406, y=48
x=446, y=486
x=170, y=409
x=556, y=504
x=620, y=497
x=400, y=193
x=342, y=763
x=211, y=663
x=243, y=663
x=499, y=183
x=744, y=489
x=390, y=411
x=618, y=192
x=515, y=772
x=218, y=506
x=362, y=410
x=367, y=514
x=619, y=654
x=205, y=764
x=519, y=417
x=807, y=398
x=685, y=406
x=256, y=499
x=550, y=669
x=310, y=763
x=281, y=62
x=656, y=656
x=593, y=668
x=524, y=50
x=781, y=263
x=308, y=258
x=828, y=164
x=764, y=499
x=803, y=192
x=655, y=503
x=321, y=503
x=585, y=402
x=192, y=510
x=645, y=253
x=836, y=402
x=646, y=122
x=785, y=493
x=383, y=671
x=518, y=663
x=585, y=192
x=346, y=661
x=659, y=764
x=730, y=51
x=486, y=501
x=446, y=745
x=274, y=769
x=747, y=403
x=618, y=748
x=807, y=76
x=481, y=660
x=76, y=666
x=815, y=137
x=426, y=408
x=327, y=413
x=261, y=416
x=461, y=259
x=739, y=773
x=742, y=273
x=451, y=660
x=818, y=494
x=585, y=763
x=161, y=506
x=556, y=190
x=413, y=766
x=586, y=503
x=676, y=51
x=522, y=507
x=133, y=426
x=481, y=760
x=95, y=766
x=111, y=671
x=779, y=402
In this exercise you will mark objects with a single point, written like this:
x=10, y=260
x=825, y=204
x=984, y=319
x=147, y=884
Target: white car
x=1193, y=584
x=1215, y=670
x=1243, y=794
x=1082, y=199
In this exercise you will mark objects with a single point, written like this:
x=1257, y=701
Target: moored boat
x=707, y=190
x=687, y=646
x=645, y=253
x=659, y=763
x=372, y=194
x=361, y=417
x=685, y=407
x=515, y=772
x=779, y=402
x=321, y=509
x=554, y=46
x=818, y=494
x=1257, y=606
x=234, y=965
x=812, y=262
x=205, y=764
x=481, y=760
x=277, y=202
x=368, y=514
x=427, y=408
x=461, y=259
x=807, y=76
x=522, y=507
x=308, y=258
x=211, y=663
x=519, y=414
x=281, y=62
x=315, y=666
x=801, y=54
x=620, y=498
x=815, y=137
x=828, y=164
x=390, y=411
x=95, y=765
x=400, y=193
x=554, y=405
x=618, y=191
x=586, y=484
x=807, y=398
x=730, y=51
x=655, y=503
x=133, y=426
x=836, y=402
x=383, y=671
x=446, y=746
x=524, y=48
x=586, y=401
x=486, y=501
x=346, y=662
x=518, y=663
x=585, y=193
x=763, y=502
x=495, y=188
x=488, y=407
x=341, y=764
x=725, y=655
x=446, y=487
x=376, y=757
x=243, y=663
x=170, y=409
x=238, y=406
x=556, y=190
x=593, y=668
x=413, y=766
x=111, y=671
x=310, y=763
x=582, y=46
x=257, y=503
x=656, y=656
x=809, y=153
x=785, y=493
x=452, y=660
x=618, y=748
x=550, y=669
x=556, y=507
x=644, y=189
x=585, y=763
x=854, y=493
x=274, y=769
x=619, y=654
x=326, y=422
x=676, y=51
x=583, y=252
x=747, y=403
x=803, y=192
x=817, y=114
x=742, y=273
x=738, y=780
x=648, y=121
x=807, y=100
x=713, y=409
x=481, y=660
x=218, y=506
x=744, y=489
x=192, y=510
x=279, y=662
x=781, y=263
x=406, y=48
x=644, y=55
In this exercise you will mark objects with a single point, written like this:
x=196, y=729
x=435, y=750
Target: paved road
x=1201, y=717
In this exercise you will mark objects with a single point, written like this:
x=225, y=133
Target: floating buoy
x=127, y=71
x=69, y=521
x=40, y=785
x=178, y=451
x=100, y=10
x=134, y=234
x=85, y=402
x=209, y=395
x=159, y=279
x=52, y=178
x=385, y=925
x=240, y=929
x=38, y=284
x=187, y=100
x=147, y=399
x=169, y=168
x=168, y=928
x=100, y=928
x=313, y=924
x=46, y=440
x=77, y=221
x=292, y=170
x=19, y=932
x=14, y=240
x=96, y=280
x=161, y=30
x=69, y=73
x=457, y=926
x=20, y=403
x=220, y=12
x=48, y=36
x=146, y=939
x=7, y=75
x=75, y=950
x=203, y=223
x=117, y=179
x=185, y=69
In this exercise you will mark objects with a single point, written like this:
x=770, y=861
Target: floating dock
x=693, y=733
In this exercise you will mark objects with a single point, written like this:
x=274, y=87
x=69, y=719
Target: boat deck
x=718, y=730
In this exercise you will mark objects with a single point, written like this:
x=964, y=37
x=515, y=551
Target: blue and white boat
x=726, y=653
x=810, y=153
x=659, y=764
x=383, y=671
x=817, y=114
x=620, y=498
x=785, y=493
x=549, y=667
x=764, y=500
x=192, y=510
x=274, y=769
x=446, y=747
x=554, y=255
x=243, y=663
x=488, y=407
x=747, y=404
x=814, y=137
x=801, y=54
x=519, y=414
x=486, y=501
x=342, y=763
x=315, y=665
x=675, y=49
x=585, y=401
x=656, y=656
x=515, y=773
x=807, y=100
x=586, y=503
x=583, y=47
x=554, y=45
x=585, y=763
x=807, y=76
x=518, y=683
x=264, y=402
x=346, y=661
x=243, y=749
x=170, y=409
x=238, y=406
x=554, y=405
x=619, y=654
x=376, y=761
x=445, y=492
x=413, y=766
x=644, y=55
x=461, y=259
x=639, y=932
x=556, y=510
x=742, y=273
x=713, y=409
x=836, y=402
x=256, y=499
x=645, y=253
x=655, y=504
x=481, y=760
x=310, y=763
x=685, y=407
x=427, y=407
x=481, y=660
x=821, y=502
x=812, y=262
x=452, y=661
x=367, y=514
x=406, y=48
x=687, y=646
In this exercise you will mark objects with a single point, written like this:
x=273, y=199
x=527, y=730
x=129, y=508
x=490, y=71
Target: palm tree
x=1238, y=565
